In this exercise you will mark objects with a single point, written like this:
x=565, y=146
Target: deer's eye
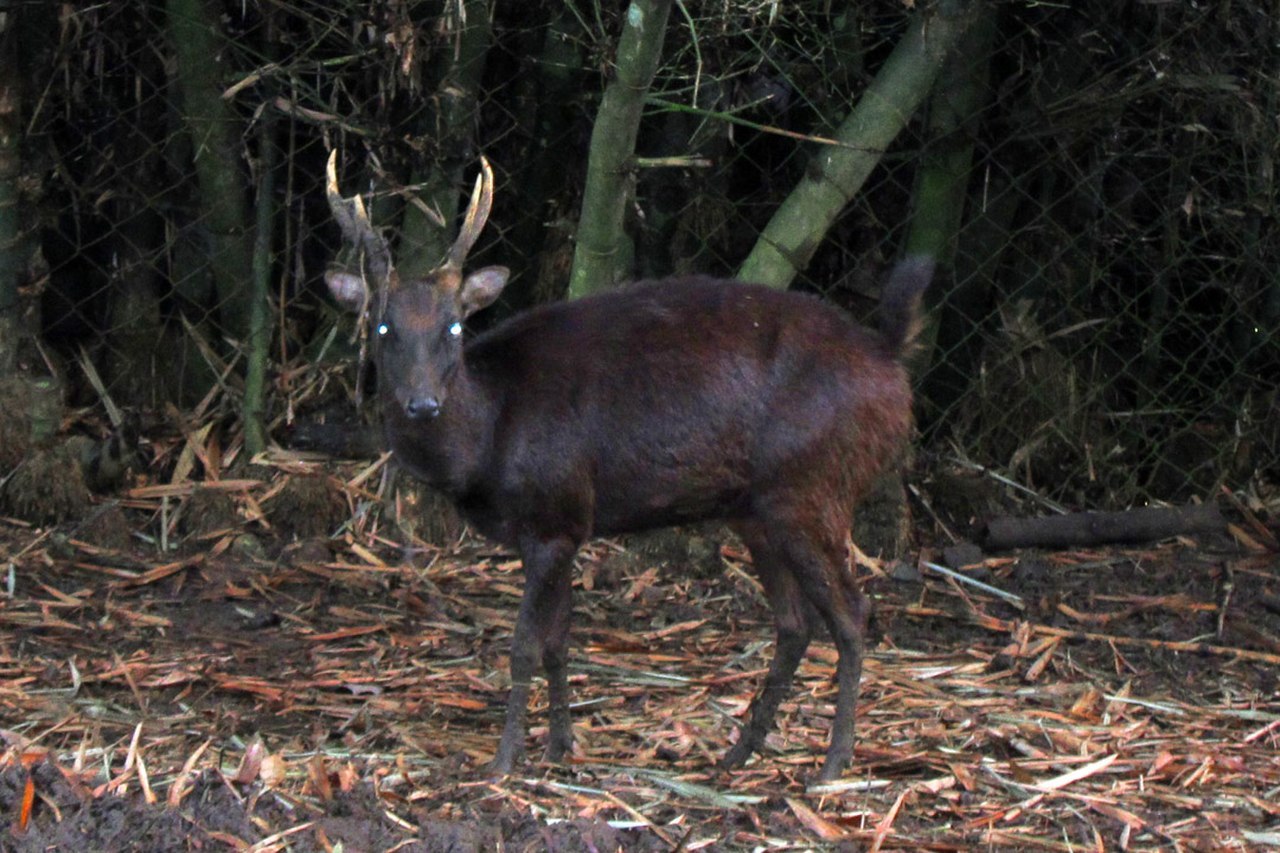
x=383, y=329
x=455, y=329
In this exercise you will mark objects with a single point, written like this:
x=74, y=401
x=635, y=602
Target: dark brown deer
x=659, y=403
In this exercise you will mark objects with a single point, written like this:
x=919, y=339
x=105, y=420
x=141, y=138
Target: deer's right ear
x=482, y=287
x=349, y=291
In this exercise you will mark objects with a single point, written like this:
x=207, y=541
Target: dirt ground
x=249, y=691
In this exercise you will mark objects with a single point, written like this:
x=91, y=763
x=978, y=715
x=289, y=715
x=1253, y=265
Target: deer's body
x=664, y=402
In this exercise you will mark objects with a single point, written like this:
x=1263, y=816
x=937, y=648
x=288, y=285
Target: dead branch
x=1095, y=528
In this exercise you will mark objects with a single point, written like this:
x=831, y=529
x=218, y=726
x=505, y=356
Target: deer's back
x=684, y=399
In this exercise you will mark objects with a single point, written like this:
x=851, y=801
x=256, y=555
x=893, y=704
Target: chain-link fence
x=1104, y=326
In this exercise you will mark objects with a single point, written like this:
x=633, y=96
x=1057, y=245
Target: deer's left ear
x=481, y=287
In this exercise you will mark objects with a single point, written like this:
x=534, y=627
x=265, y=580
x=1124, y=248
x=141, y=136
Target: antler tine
x=477, y=216
x=353, y=219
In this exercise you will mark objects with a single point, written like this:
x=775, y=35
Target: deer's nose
x=422, y=407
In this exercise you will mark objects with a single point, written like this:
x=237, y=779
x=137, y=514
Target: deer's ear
x=482, y=287
x=348, y=290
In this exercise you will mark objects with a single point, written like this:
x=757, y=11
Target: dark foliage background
x=1104, y=331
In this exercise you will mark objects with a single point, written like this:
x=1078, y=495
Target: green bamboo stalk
x=838, y=171
x=954, y=109
x=942, y=182
x=602, y=244
x=257, y=353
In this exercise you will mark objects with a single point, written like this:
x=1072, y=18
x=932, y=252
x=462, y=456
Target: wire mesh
x=1104, y=330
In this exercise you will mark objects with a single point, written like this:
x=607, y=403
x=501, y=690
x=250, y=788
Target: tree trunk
x=200, y=51
x=942, y=183
x=599, y=260
x=799, y=224
x=549, y=94
x=138, y=374
x=258, y=351
x=140, y=369
x=11, y=262
x=451, y=129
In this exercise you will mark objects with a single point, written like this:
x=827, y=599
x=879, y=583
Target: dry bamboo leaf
x=1037, y=668
x=367, y=555
x=938, y=785
x=191, y=451
x=274, y=770
x=345, y=633
x=369, y=470
x=1249, y=543
x=144, y=782
x=678, y=628
x=183, y=784
x=184, y=489
x=885, y=826
x=458, y=700
x=250, y=763
x=28, y=800
x=1079, y=773
x=276, y=842
x=940, y=716
x=248, y=684
x=1269, y=729
x=233, y=841
x=824, y=829
x=64, y=599
x=160, y=572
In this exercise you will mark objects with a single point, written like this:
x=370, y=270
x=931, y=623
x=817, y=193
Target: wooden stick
x=1095, y=528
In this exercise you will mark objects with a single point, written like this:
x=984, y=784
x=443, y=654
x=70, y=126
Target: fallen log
x=1097, y=528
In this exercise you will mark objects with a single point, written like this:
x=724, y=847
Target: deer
x=658, y=403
